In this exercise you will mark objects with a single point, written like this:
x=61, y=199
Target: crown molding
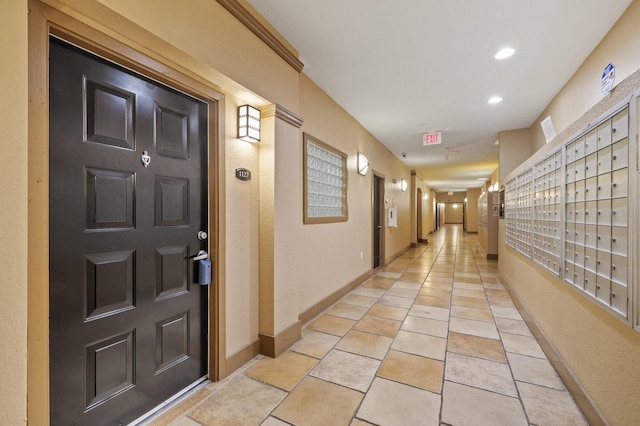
x=248, y=20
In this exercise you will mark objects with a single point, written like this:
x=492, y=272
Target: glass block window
x=325, y=182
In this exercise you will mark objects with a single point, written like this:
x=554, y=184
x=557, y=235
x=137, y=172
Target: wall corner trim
x=248, y=20
x=273, y=346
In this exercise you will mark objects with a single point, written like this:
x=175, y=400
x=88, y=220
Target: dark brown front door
x=128, y=195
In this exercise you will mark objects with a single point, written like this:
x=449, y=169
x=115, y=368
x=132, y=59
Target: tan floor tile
x=396, y=268
x=383, y=283
x=469, y=280
x=500, y=300
x=272, y=421
x=391, y=403
x=414, y=370
x=386, y=311
x=469, y=302
x=470, y=294
x=420, y=344
x=284, y=372
x=402, y=292
x=413, y=277
x=468, y=286
x=432, y=301
x=358, y=300
x=480, y=373
x=549, y=406
x=405, y=285
x=507, y=325
x=426, y=326
x=480, y=347
x=465, y=405
x=241, y=401
x=474, y=328
x=316, y=402
x=314, y=343
x=345, y=310
x=440, y=285
x=472, y=313
x=523, y=345
x=535, y=371
x=332, y=325
x=432, y=312
x=435, y=292
x=182, y=407
x=358, y=422
x=347, y=369
x=505, y=312
x=442, y=280
x=368, y=291
x=399, y=302
x=367, y=344
x=377, y=325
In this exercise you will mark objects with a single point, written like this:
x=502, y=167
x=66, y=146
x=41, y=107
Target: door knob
x=202, y=235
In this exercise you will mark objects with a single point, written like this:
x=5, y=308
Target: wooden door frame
x=381, y=243
x=43, y=22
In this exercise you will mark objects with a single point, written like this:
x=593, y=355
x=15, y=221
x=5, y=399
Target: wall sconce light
x=403, y=185
x=248, y=123
x=465, y=199
x=425, y=196
x=455, y=206
x=363, y=164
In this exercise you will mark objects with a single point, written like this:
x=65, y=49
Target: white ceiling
x=403, y=68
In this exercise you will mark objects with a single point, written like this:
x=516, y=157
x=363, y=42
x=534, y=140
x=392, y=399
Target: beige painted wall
x=472, y=209
x=582, y=91
x=313, y=247
x=453, y=212
x=457, y=197
x=13, y=213
x=515, y=147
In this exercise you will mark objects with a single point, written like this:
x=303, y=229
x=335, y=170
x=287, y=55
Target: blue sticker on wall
x=608, y=78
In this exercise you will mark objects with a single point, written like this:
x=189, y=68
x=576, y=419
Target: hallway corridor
x=431, y=339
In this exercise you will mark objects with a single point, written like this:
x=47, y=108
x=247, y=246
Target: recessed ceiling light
x=483, y=179
x=495, y=100
x=504, y=53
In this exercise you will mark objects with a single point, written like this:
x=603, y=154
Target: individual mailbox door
x=591, y=212
x=619, y=212
x=571, y=192
x=604, y=160
x=590, y=282
x=578, y=258
x=579, y=148
x=603, y=264
x=619, y=298
x=603, y=289
x=578, y=213
x=578, y=277
x=591, y=165
x=604, y=212
x=591, y=142
x=604, y=238
x=580, y=169
x=570, y=153
x=569, y=269
x=591, y=189
x=619, y=268
x=604, y=134
x=619, y=241
x=570, y=215
x=590, y=260
x=620, y=154
x=579, y=233
x=620, y=183
x=571, y=172
x=604, y=186
x=580, y=187
x=591, y=236
x=620, y=126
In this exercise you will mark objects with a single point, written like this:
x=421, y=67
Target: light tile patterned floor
x=432, y=339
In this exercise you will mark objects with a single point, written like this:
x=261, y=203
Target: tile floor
x=431, y=339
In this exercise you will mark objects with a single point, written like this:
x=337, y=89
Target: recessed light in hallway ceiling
x=504, y=53
x=495, y=100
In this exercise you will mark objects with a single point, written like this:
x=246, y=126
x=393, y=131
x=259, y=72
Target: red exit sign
x=434, y=138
